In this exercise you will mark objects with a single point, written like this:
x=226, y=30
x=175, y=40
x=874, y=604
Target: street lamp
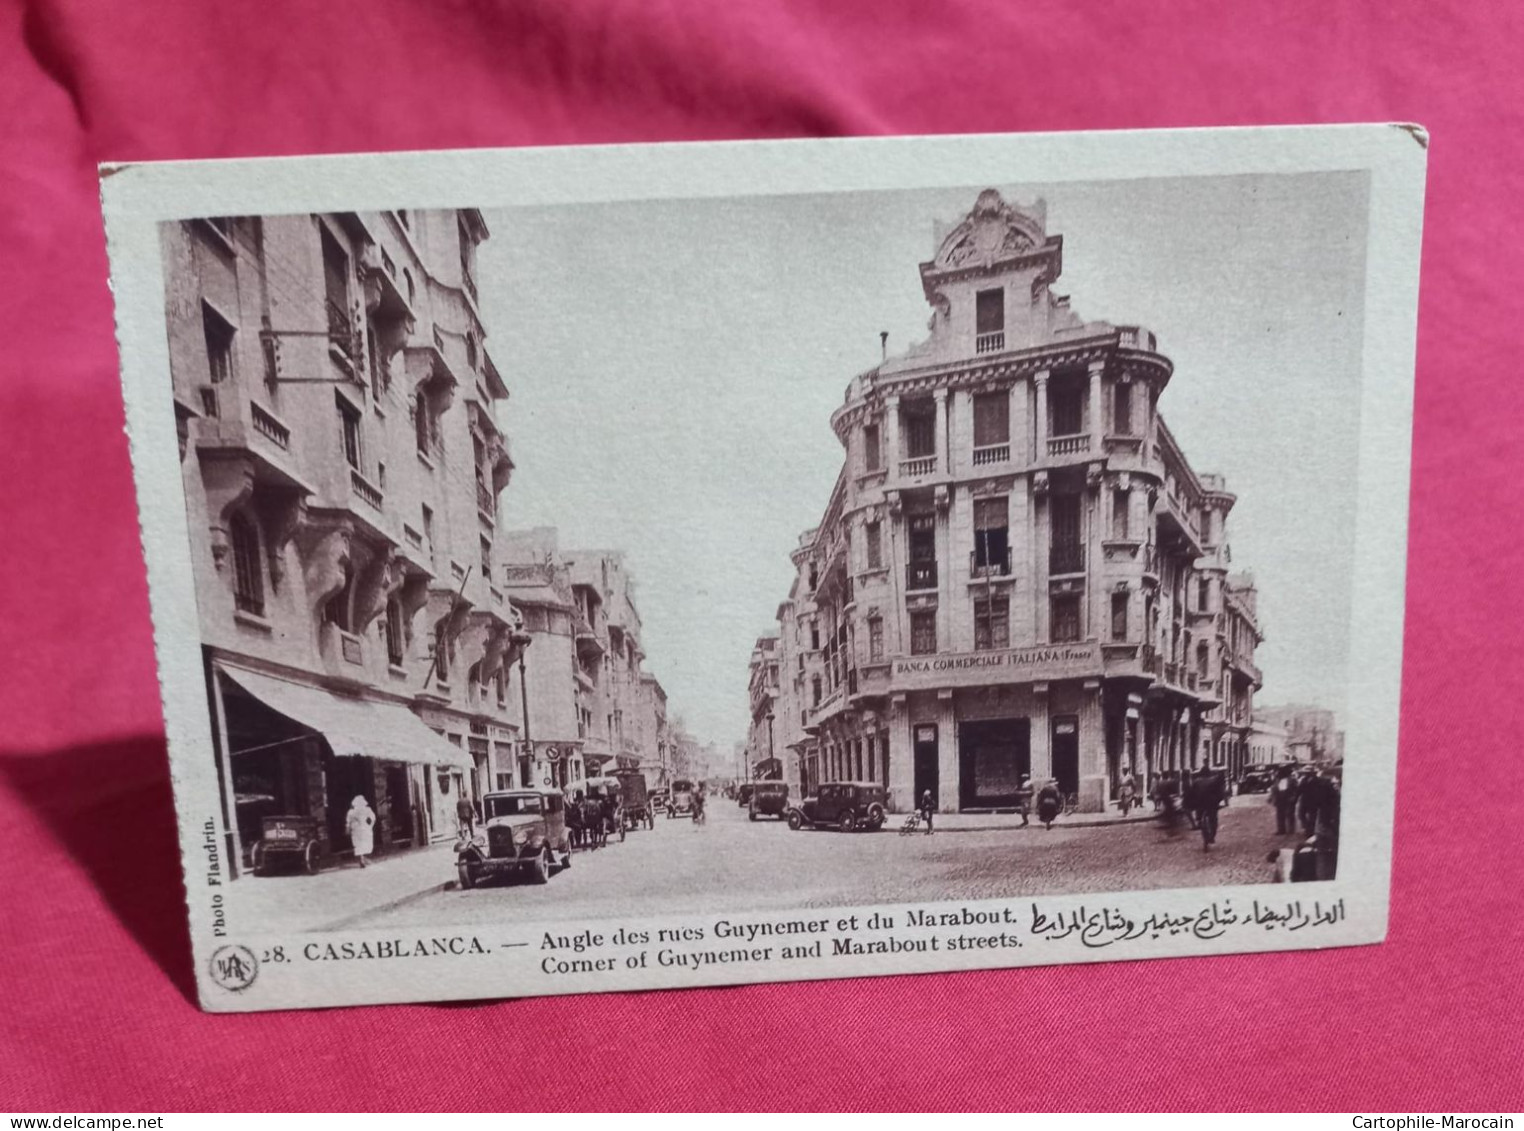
x=522, y=640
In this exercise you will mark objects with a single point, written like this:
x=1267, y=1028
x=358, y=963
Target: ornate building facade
x=1017, y=571
x=342, y=460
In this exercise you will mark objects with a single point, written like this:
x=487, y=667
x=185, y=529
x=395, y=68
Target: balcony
x=920, y=465
x=485, y=503
x=920, y=575
x=992, y=453
x=1151, y=661
x=1069, y=445
x=343, y=339
x=1066, y=557
x=1136, y=338
x=269, y=427
x=362, y=487
x=992, y=342
x=990, y=563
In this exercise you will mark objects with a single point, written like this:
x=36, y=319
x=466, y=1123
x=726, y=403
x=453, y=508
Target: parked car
x=523, y=833
x=844, y=805
x=743, y=794
x=659, y=799
x=1256, y=778
x=290, y=842
x=680, y=800
x=768, y=799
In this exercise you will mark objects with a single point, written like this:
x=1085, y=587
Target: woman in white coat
x=361, y=824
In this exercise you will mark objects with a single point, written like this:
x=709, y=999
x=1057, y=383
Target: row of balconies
x=1061, y=450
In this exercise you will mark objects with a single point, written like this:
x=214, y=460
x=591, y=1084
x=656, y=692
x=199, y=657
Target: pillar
x=1092, y=760
x=947, y=753
x=1097, y=413
x=1042, y=735
x=1040, y=382
x=901, y=757
x=892, y=437
x=944, y=463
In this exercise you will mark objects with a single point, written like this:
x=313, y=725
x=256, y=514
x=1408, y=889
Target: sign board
x=1006, y=665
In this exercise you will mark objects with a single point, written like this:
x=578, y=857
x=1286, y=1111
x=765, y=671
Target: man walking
x=1208, y=789
x=926, y=808
x=1024, y=799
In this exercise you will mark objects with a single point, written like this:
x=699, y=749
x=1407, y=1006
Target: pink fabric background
x=93, y=957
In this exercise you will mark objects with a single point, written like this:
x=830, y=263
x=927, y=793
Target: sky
x=672, y=367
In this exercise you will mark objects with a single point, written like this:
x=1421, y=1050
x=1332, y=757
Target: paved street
x=737, y=864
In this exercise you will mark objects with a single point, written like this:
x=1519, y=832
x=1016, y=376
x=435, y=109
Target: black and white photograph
x=830, y=566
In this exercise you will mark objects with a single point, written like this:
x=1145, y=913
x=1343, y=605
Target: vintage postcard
x=651, y=566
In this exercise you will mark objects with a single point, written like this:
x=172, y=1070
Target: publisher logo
x=234, y=968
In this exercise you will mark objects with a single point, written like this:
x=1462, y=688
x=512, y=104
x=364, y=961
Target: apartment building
x=342, y=457
x=1017, y=571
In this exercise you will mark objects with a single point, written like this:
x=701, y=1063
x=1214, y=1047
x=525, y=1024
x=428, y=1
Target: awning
x=354, y=728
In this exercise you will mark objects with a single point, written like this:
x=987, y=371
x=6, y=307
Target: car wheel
x=875, y=819
x=463, y=874
x=751, y=814
x=257, y=856
x=795, y=821
x=310, y=859
x=539, y=871
x=847, y=821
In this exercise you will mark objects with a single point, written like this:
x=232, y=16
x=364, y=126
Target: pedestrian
x=1188, y=796
x=574, y=821
x=1024, y=799
x=1050, y=803
x=1309, y=800
x=1283, y=793
x=927, y=807
x=1208, y=788
x=360, y=823
x=465, y=817
x=1126, y=792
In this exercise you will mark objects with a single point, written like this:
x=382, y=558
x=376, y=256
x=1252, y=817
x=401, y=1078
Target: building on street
x=342, y=458
x=1312, y=732
x=762, y=760
x=1018, y=570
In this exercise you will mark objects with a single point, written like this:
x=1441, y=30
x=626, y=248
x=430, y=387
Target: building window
x=921, y=570
x=248, y=582
x=875, y=639
x=873, y=536
x=336, y=293
x=500, y=681
x=1119, y=603
x=1203, y=660
x=1067, y=554
x=1121, y=409
x=814, y=636
x=1066, y=405
x=918, y=422
x=992, y=545
x=394, y=633
x=992, y=624
x=219, y=345
x=814, y=577
x=338, y=610
x=442, y=649
x=423, y=423
x=989, y=321
x=1065, y=627
x=349, y=427
x=378, y=381
x=1204, y=596
x=815, y=691
x=992, y=419
x=872, y=457
x=486, y=558
x=923, y=633
x=1120, y=513
x=428, y=530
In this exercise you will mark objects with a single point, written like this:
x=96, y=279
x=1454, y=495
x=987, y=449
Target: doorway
x=1066, y=753
x=993, y=756
x=925, y=737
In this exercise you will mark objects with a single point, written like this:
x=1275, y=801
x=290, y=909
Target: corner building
x=1018, y=571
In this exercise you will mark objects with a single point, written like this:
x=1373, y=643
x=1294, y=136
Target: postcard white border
x=137, y=197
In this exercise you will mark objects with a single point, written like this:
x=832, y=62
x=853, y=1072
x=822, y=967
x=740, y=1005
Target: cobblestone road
x=739, y=865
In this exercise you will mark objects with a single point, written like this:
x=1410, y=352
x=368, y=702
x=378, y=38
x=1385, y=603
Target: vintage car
x=680, y=800
x=523, y=833
x=844, y=805
x=659, y=800
x=743, y=794
x=635, y=800
x=768, y=799
x=290, y=842
x=1256, y=778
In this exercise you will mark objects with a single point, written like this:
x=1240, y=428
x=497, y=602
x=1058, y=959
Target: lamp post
x=526, y=764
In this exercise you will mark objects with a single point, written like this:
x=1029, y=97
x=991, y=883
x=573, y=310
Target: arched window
x=394, y=633
x=248, y=582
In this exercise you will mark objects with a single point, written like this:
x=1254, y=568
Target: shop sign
x=1010, y=665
